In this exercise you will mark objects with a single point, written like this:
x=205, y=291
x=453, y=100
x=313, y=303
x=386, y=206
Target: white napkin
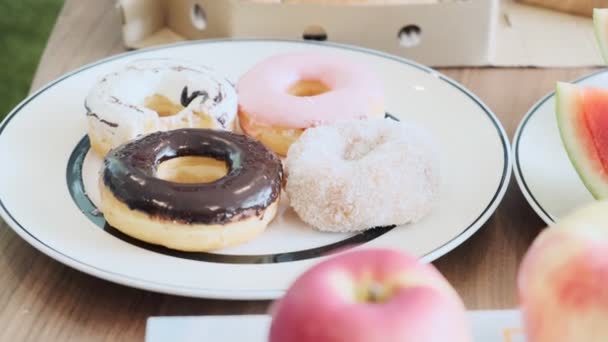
x=488, y=326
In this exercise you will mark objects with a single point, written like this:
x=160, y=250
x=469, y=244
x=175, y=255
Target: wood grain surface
x=580, y=7
x=40, y=299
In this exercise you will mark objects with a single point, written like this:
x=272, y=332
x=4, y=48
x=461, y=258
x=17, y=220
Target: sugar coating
x=356, y=175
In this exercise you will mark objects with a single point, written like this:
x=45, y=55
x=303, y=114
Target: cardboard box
x=432, y=32
x=435, y=32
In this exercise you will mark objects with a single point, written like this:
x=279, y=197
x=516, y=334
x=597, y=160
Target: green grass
x=24, y=29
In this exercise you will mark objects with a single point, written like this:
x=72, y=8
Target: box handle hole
x=314, y=32
x=198, y=17
x=410, y=36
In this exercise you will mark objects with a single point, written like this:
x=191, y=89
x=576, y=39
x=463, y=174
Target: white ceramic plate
x=47, y=186
x=543, y=171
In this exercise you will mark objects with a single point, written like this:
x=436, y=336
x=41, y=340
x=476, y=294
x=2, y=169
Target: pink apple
x=370, y=295
x=563, y=281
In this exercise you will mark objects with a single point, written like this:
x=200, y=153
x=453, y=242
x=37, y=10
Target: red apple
x=563, y=281
x=372, y=295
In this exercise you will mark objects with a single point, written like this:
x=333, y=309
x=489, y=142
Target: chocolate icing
x=253, y=181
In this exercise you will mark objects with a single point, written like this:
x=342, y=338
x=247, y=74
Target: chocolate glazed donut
x=191, y=216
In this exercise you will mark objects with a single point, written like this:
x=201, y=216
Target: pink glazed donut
x=285, y=94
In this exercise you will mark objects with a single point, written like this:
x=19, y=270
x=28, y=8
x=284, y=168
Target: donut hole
x=308, y=88
x=192, y=169
x=162, y=105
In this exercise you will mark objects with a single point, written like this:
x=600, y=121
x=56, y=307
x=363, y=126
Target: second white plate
x=543, y=170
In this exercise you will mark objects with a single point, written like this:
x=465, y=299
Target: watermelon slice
x=582, y=116
x=600, y=23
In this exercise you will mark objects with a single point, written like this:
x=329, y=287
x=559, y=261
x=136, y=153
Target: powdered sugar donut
x=356, y=175
x=160, y=94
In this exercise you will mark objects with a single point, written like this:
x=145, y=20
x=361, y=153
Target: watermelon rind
x=600, y=24
x=588, y=168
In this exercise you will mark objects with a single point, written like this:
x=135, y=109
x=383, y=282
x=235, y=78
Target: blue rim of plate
x=255, y=294
x=519, y=175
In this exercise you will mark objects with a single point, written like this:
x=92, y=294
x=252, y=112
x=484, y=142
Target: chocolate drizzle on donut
x=219, y=97
x=222, y=119
x=252, y=183
x=180, y=68
x=111, y=124
x=388, y=115
x=114, y=99
x=186, y=99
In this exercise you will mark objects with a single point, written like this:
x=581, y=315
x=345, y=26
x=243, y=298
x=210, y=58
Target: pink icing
x=355, y=91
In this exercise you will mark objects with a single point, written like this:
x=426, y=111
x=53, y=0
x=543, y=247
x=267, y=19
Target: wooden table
x=40, y=299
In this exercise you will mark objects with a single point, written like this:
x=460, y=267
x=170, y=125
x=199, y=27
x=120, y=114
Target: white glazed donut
x=357, y=175
x=152, y=95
